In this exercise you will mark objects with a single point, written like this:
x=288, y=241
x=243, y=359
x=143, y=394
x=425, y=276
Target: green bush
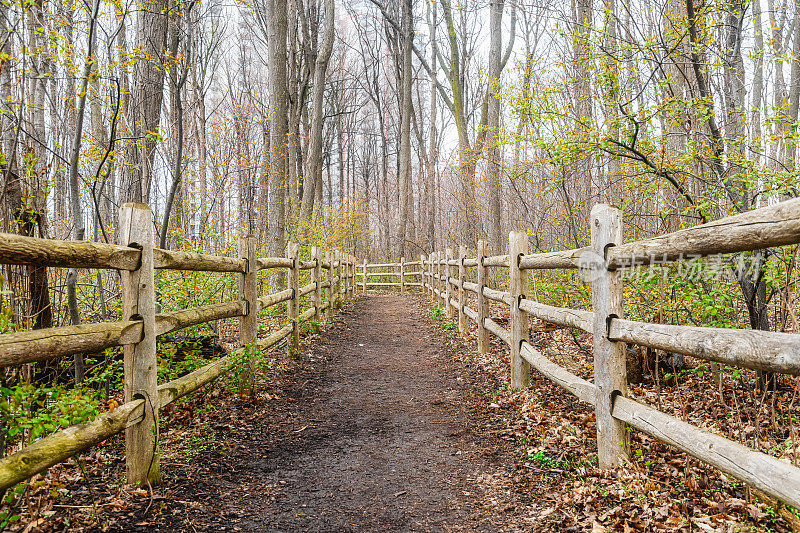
x=245, y=368
x=29, y=412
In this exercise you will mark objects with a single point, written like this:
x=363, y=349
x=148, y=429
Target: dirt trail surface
x=382, y=432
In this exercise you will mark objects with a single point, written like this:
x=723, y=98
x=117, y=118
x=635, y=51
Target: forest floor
x=389, y=421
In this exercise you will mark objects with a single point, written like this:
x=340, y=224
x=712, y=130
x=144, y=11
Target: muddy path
x=381, y=430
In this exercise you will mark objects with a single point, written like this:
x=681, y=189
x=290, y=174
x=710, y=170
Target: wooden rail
x=399, y=272
x=444, y=279
x=137, y=334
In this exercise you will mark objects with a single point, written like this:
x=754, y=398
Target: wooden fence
x=137, y=260
x=391, y=271
x=444, y=276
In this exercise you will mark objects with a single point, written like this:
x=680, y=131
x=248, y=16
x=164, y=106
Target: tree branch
x=416, y=51
x=513, y=32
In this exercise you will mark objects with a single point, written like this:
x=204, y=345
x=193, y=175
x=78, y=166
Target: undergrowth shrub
x=28, y=411
x=246, y=367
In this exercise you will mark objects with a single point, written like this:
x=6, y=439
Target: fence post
x=437, y=280
x=338, y=257
x=351, y=265
x=293, y=253
x=423, y=273
x=442, y=275
x=335, y=277
x=329, y=259
x=342, y=274
x=451, y=272
x=445, y=278
x=402, y=275
x=431, y=280
x=429, y=267
x=342, y=277
x=610, y=376
x=142, y=459
x=448, y=290
x=346, y=286
x=429, y=274
x=433, y=258
x=434, y=280
x=462, y=317
x=248, y=291
x=316, y=277
x=518, y=285
x=364, y=286
x=483, y=304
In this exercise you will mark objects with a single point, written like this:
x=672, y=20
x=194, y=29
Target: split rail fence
x=137, y=259
x=445, y=274
x=394, y=271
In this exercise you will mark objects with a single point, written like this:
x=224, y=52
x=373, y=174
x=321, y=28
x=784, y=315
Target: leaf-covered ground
x=662, y=489
x=390, y=421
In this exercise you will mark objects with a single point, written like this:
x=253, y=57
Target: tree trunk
x=758, y=83
x=794, y=93
x=313, y=166
x=294, y=95
x=382, y=188
x=494, y=182
x=433, y=154
x=279, y=126
x=466, y=157
x=610, y=87
x=30, y=209
x=779, y=86
x=405, y=127
x=177, y=103
x=585, y=187
x=148, y=94
x=202, y=158
x=79, y=229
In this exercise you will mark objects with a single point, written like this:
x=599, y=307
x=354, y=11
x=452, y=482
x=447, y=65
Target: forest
x=393, y=128
x=390, y=130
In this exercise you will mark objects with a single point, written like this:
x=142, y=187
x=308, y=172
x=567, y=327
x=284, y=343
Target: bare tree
x=404, y=177
x=313, y=163
x=79, y=228
x=176, y=88
x=148, y=94
x=279, y=124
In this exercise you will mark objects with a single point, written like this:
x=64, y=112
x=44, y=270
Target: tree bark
x=313, y=161
x=794, y=93
x=148, y=94
x=405, y=126
x=758, y=82
x=79, y=229
x=279, y=126
x=177, y=101
x=493, y=167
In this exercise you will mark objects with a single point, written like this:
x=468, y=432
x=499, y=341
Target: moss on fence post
x=141, y=364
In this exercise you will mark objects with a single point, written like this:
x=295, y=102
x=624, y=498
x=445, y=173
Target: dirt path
x=387, y=445
x=382, y=433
